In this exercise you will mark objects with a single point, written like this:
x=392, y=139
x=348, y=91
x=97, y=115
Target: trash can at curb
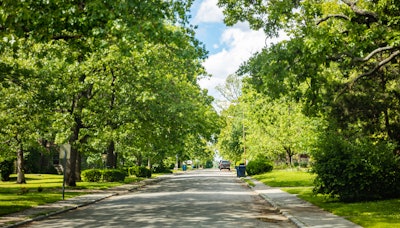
x=184, y=167
x=241, y=170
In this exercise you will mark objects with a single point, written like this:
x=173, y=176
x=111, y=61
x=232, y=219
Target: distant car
x=223, y=164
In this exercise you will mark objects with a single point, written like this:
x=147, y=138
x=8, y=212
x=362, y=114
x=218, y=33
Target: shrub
x=258, y=166
x=91, y=175
x=6, y=169
x=356, y=170
x=140, y=171
x=161, y=169
x=114, y=175
x=133, y=170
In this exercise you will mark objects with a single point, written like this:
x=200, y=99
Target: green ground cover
x=384, y=213
x=45, y=188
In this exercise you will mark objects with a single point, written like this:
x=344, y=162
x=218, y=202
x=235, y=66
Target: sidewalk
x=43, y=211
x=300, y=212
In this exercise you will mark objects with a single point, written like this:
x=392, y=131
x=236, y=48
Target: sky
x=228, y=47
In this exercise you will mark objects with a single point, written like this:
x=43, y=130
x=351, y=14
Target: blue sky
x=228, y=47
x=210, y=26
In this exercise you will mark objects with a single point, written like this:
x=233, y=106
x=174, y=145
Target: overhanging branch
x=340, y=16
x=374, y=52
x=376, y=68
x=359, y=11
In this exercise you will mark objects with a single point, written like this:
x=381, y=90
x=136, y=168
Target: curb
x=290, y=217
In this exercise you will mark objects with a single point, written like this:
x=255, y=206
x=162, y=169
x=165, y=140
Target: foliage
x=161, y=169
x=330, y=68
x=6, y=169
x=355, y=170
x=112, y=77
x=259, y=166
x=140, y=171
x=384, y=213
x=91, y=175
x=231, y=140
x=113, y=175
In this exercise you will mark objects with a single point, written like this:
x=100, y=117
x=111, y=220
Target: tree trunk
x=70, y=179
x=139, y=159
x=78, y=167
x=111, y=158
x=289, y=154
x=20, y=167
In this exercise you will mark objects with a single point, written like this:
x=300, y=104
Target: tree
x=278, y=128
x=232, y=89
x=231, y=140
x=23, y=111
x=108, y=68
x=341, y=63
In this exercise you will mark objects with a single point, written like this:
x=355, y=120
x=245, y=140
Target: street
x=200, y=198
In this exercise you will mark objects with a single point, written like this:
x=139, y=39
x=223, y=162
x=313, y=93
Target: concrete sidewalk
x=300, y=212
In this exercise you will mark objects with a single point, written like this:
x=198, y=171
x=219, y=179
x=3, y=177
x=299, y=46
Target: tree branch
x=377, y=67
x=359, y=11
x=374, y=52
x=66, y=37
x=340, y=16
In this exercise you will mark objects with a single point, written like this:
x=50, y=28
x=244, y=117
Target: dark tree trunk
x=78, y=167
x=20, y=167
x=111, y=156
x=289, y=154
x=70, y=179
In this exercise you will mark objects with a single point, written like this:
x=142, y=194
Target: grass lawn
x=385, y=213
x=44, y=188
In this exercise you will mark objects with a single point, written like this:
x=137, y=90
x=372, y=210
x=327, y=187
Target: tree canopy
x=115, y=77
x=339, y=67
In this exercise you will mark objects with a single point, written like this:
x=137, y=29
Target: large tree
x=342, y=62
x=111, y=69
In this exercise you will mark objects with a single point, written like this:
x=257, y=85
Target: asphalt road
x=201, y=198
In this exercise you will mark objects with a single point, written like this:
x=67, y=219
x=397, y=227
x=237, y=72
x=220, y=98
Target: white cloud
x=235, y=44
x=209, y=12
x=240, y=44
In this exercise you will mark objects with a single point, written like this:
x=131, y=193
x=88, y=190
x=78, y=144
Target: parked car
x=223, y=164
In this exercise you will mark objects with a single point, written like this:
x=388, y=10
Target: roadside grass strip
x=45, y=188
x=371, y=214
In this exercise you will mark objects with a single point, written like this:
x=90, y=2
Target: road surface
x=201, y=198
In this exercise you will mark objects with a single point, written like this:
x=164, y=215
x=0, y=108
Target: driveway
x=200, y=198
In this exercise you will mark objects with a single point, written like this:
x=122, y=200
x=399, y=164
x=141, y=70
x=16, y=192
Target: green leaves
x=100, y=73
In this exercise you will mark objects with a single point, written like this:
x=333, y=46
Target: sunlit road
x=203, y=198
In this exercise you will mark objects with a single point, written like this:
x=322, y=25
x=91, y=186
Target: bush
x=6, y=169
x=356, y=170
x=91, y=175
x=114, y=175
x=161, y=169
x=258, y=166
x=140, y=171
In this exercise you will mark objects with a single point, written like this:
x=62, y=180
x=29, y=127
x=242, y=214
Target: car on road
x=224, y=164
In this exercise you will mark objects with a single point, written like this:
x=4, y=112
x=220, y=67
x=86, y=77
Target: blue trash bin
x=241, y=170
x=184, y=167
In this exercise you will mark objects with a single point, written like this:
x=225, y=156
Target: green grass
x=374, y=214
x=249, y=182
x=17, y=197
x=286, y=178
